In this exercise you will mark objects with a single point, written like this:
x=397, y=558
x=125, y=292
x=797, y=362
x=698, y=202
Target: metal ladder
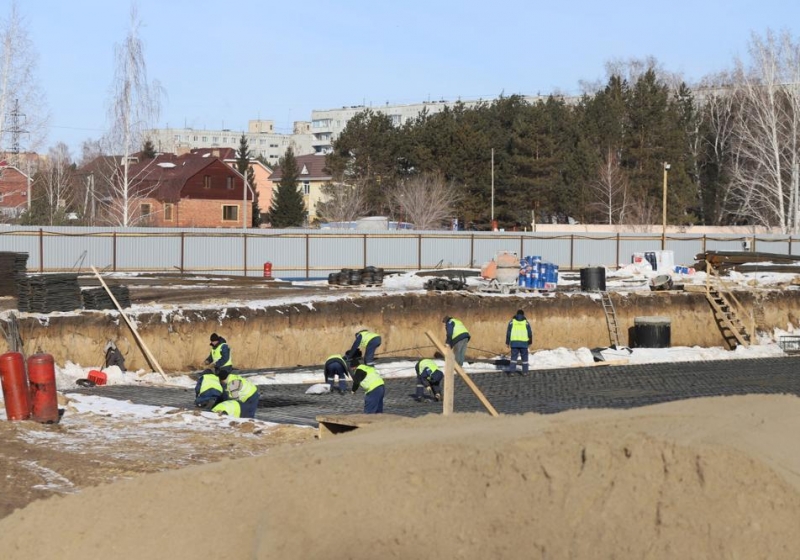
x=725, y=306
x=611, y=318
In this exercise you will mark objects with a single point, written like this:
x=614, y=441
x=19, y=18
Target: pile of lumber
x=45, y=293
x=748, y=261
x=12, y=270
x=98, y=298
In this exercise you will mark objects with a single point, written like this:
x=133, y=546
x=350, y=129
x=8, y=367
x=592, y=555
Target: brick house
x=261, y=172
x=13, y=191
x=191, y=190
x=312, y=176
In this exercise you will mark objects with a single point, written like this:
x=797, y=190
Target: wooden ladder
x=611, y=318
x=727, y=310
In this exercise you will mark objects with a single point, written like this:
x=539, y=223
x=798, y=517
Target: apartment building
x=326, y=125
x=261, y=138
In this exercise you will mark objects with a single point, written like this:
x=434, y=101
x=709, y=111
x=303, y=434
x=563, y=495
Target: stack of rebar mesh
x=44, y=293
x=12, y=270
x=98, y=298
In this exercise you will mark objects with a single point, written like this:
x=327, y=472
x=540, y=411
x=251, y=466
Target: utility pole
x=492, y=218
x=664, y=210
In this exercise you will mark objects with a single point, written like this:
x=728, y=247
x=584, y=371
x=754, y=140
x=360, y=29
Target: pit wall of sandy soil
x=305, y=334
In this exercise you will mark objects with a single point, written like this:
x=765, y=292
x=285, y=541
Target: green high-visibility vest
x=216, y=354
x=231, y=408
x=519, y=331
x=366, y=336
x=210, y=382
x=427, y=363
x=458, y=328
x=372, y=380
x=239, y=388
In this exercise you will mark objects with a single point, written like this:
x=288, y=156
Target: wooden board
x=332, y=424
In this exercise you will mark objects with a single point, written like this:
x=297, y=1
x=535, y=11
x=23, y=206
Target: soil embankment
x=306, y=333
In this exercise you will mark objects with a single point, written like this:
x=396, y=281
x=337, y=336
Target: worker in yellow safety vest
x=208, y=391
x=456, y=337
x=220, y=355
x=366, y=342
x=237, y=388
x=429, y=379
x=368, y=378
x=228, y=408
x=519, y=337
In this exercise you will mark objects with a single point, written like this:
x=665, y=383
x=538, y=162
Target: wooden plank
x=449, y=386
x=444, y=350
x=147, y=354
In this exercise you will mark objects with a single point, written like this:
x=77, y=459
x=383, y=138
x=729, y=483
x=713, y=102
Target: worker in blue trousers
x=519, y=337
x=368, y=378
x=367, y=342
x=336, y=367
x=429, y=379
x=208, y=391
x=237, y=388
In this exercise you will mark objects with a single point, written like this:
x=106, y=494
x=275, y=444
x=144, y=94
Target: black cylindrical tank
x=593, y=279
x=652, y=332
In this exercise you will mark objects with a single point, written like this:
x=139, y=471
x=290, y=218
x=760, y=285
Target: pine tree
x=288, y=208
x=243, y=167
x=149, y=150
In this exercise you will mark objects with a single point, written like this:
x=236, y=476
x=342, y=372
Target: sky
x=222, y=64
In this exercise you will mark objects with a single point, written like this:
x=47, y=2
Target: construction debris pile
x=748, y=261
x=98, y=298
x=13, y=266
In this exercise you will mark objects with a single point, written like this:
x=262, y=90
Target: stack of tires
x=369, y=276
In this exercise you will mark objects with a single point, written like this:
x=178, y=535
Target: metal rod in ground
x=147, y=354
x=444, y=350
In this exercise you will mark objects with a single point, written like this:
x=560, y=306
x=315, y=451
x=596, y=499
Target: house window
x=205, y=138
x=214, y=139
x=229, y=183
x=230, y=213
x=306, y=188
x=146, y=209
x=207, y=181
x=168, y=209
x=195, y=138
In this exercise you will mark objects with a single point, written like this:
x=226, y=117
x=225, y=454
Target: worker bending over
x=367, y=342
x=429, y=379
x=368, y=378
x=336, y=366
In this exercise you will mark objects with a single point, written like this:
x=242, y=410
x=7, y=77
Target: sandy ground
x=706, y=478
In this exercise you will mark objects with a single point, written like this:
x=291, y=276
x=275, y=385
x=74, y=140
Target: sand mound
x=579, y=485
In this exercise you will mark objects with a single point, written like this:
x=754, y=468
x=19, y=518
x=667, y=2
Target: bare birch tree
x=426, y=200
x=766, y=133
x=18, y=84
x=611, y=188
x=54, y=185
x=344, y=202
x=135, y=106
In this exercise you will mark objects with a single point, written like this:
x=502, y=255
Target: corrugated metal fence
x=300, y=253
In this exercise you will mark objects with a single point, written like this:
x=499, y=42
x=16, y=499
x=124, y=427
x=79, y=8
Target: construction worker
x=457, y=338
x=336, y=366
x=429, y=378
x=237, y=388
x=367, y=342
x=368, y=378
x=228, y=408
x=220, y=355
x=208, y=391
x=114, y=356
x=519, y=337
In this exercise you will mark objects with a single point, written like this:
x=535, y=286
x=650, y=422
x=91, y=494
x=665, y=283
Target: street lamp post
x=664, y=210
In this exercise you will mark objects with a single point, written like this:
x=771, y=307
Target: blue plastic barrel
x=542, y=275
x=523, y=265
x=533, y=281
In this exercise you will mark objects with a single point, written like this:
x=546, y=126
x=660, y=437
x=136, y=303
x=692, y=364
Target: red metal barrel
x=15, y=386
x=267, y=269
x=44, y=400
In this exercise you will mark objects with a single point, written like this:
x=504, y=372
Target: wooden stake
x=449, y=385
x=445, y=351
x=147, y=354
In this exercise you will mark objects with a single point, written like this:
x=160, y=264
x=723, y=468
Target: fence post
x=754, y=244
x=704, y=242
x=114, y=252
x=618, y=261
x=790, y=244
x=183, y=234
x=244, y=242
x=419, y=252
x=572, y=251
x=41, y=250
x=472, y=250
x=308, y=253
x=521, y=246
x=365, y=251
